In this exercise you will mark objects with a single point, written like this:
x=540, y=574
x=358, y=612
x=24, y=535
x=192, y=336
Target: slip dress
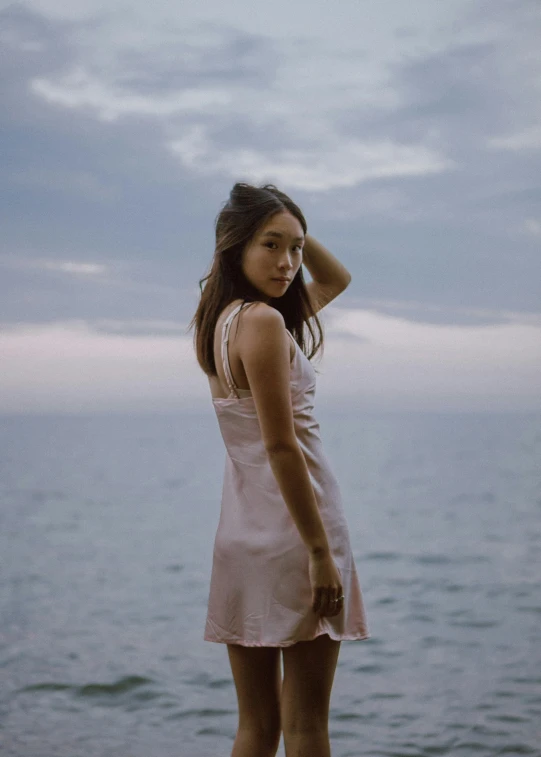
x=260, y=592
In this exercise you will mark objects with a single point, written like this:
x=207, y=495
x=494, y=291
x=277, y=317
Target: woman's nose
x=285, y=261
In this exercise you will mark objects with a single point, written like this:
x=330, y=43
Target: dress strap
x=225, y=353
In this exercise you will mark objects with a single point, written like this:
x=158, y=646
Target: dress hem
x=243, y=643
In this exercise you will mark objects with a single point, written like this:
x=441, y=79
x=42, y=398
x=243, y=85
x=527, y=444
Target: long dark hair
x=246, y=210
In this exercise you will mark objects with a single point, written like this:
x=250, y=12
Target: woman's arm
x=330, y=277
x=264, y=351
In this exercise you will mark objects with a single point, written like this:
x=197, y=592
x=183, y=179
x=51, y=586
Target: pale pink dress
x=260, y=590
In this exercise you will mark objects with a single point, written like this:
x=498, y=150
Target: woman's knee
x=299, y=720
x=265, y=724
x=261, y=725
x=265, y=734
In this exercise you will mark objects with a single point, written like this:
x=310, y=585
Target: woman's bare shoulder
x=260, y=316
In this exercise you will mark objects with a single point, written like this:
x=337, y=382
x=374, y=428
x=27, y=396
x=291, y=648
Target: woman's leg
x=257, y=676
x=306, y=692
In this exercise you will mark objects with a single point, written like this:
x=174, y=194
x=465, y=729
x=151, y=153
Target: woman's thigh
x=309, y=668
x=257, y=675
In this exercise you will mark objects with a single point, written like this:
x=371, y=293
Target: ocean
x=106, y=532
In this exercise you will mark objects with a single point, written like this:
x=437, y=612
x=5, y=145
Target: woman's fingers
x=316, y=600
x=336, y=601
x=328, y=601
x=328, y=608
x=327, y=605
x=339, y=606
x=339, y=600
x=320, y=602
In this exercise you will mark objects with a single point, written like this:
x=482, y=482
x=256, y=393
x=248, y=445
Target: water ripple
x=119, y=688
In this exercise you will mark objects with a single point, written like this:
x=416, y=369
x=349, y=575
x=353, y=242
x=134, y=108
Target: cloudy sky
x=409, y=133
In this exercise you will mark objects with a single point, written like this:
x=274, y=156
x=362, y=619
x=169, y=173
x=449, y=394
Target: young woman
x=283, y=577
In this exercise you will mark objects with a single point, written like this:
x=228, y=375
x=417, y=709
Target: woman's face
x=274, y=253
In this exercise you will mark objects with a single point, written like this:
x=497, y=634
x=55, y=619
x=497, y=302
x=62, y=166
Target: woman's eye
x=273, y=246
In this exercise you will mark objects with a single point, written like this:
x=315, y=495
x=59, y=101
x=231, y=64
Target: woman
x=283, y=577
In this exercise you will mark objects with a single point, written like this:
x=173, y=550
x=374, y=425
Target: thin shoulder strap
x=225, y=353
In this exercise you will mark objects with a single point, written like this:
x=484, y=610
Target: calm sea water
x=106, y=540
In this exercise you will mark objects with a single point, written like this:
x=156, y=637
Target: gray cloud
x=236, y=57
x=80, y=188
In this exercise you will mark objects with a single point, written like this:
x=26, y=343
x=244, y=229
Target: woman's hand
x=326, y=582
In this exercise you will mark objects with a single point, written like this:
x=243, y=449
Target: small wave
x=129, y=685
x=44, y=687
x=368, y=669
x=382, y=556
x=203, y=712
x=122, y=686
x=474, y=623
x=434, y=559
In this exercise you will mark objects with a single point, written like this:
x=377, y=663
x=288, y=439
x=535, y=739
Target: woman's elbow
x=276, y=447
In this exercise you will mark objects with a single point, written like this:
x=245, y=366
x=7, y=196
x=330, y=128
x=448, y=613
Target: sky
x=409, y=134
